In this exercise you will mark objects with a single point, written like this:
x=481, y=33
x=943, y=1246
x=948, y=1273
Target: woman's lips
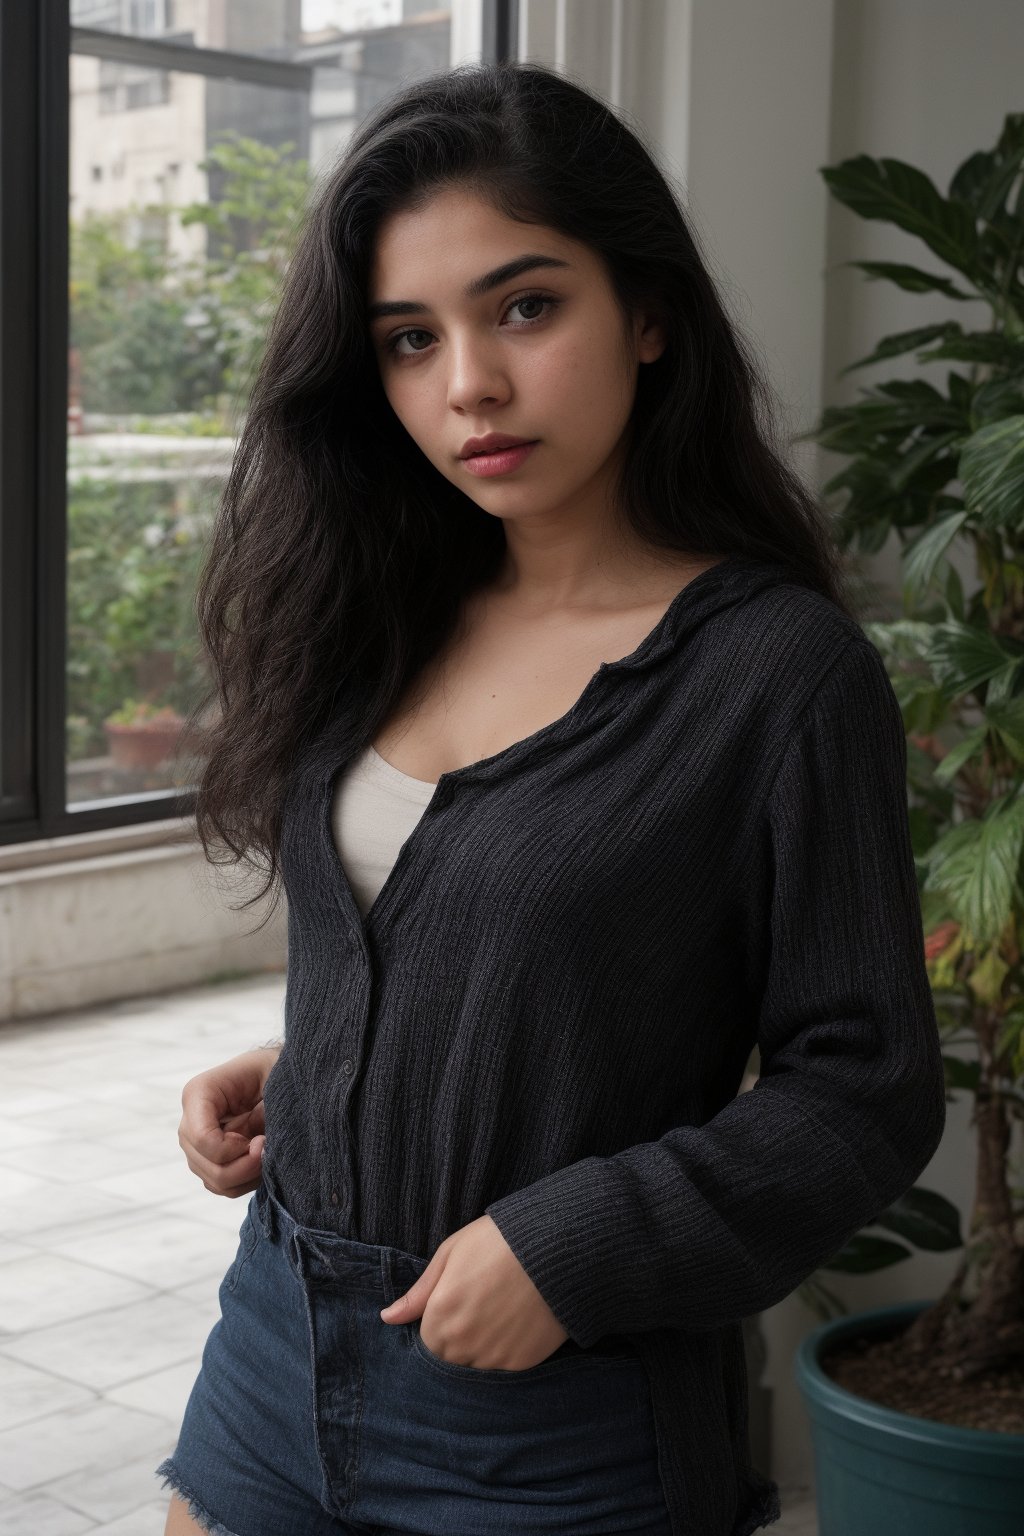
x=499, y=462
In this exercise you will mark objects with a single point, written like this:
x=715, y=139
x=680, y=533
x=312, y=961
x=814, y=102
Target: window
x=133, y=309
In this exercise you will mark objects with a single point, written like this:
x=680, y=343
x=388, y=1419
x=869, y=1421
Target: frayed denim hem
x=170, y=1474
x=767, y=1506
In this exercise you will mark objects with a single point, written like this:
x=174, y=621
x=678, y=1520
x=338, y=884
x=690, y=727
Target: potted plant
x=917, y=1411
x=142, y=735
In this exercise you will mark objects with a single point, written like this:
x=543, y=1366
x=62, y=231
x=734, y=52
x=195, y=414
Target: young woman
x=539, y=690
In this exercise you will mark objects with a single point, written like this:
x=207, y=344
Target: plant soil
x=885, y=1372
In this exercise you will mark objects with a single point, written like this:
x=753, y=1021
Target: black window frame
x=36, y=42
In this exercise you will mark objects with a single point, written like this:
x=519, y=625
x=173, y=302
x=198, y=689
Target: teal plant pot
x=879, y=1472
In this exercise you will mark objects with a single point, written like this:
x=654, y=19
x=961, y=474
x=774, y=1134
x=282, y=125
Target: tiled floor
x=112, y=1252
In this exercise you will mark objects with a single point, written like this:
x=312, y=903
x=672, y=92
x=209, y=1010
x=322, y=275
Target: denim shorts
x=311, y=1416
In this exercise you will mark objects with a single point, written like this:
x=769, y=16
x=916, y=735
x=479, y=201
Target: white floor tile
x=39, y=1515
x=28, y=1131
x=27, y=1099
x=20, y=1218
x=91, y=1117
x=76, y=1160
x=114, y=1216
x=175, y=1081
x=150, y=1186
x=29, y=1393
x=108, y=1349
x=165, y=1251
x=93, y=1435
x=15, y=1182
x=132, y=1064
x=112, y=1490
x=12, y=1250
x=147, y=1521
x=123, y=1091
x=165, y=1392
x=49, y=1288
x=144, y=1145
x=222, y=1211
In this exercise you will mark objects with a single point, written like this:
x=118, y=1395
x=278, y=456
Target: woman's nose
x=475, y=374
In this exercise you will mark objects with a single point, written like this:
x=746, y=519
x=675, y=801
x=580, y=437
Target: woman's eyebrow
x=473, y=290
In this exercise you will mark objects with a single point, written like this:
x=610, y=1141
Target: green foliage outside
x=163, y=336
x=134, y=552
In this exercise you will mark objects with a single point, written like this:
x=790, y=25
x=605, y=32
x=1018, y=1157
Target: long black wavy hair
x=339, y=553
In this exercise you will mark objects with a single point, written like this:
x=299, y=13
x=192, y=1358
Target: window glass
x=186, y=187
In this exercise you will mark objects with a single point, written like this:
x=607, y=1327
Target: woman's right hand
x=222, y=1127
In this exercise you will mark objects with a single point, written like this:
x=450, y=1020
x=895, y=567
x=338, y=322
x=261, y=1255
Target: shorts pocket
x=249, y=1234
x=569, y=1356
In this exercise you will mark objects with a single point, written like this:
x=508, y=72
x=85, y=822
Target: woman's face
x=542, y=354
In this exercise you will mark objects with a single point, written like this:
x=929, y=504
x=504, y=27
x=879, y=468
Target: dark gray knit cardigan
x=547, y=1011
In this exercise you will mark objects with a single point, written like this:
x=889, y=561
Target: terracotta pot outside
x=144, y=745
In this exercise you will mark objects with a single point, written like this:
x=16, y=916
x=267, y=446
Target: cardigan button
x=334, y=1197
x=346, y=1066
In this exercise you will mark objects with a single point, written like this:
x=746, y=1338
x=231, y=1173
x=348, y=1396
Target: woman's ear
x=651, y=340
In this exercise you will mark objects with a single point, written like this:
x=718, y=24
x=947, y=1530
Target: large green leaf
x=911, y=390
x=906, y=639
x=970, y=746
x=905, y=341
x=924, y=1218
x=873, y=536
x=1002, y=686
x=900, y=194
x=910, y=278
x=961, y=391
x=992, y=471
x=863, y=1254
x=926, y=455
x=963, y=656
x=977, y=347
x=986, y=177
x=928, y=405
x=866, y=424
x=923, y=556
x=1007, y=720
x=955, y=593
x=997, y=398
x=975, y=863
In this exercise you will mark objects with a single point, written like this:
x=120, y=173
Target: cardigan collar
x=731, y=581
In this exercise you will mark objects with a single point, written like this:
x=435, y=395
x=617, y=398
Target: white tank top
x=373, y=811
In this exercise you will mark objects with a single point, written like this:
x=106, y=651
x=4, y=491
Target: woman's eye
x=528, y=299
x=532, y=299
x=405, y=337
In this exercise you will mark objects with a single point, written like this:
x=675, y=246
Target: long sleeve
x=713, y=1222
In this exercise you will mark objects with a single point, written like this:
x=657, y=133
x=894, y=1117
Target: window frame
x=36, y=42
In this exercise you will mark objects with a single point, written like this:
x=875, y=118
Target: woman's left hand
x=484, y=1310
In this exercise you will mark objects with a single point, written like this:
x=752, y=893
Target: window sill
x=178, y=832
